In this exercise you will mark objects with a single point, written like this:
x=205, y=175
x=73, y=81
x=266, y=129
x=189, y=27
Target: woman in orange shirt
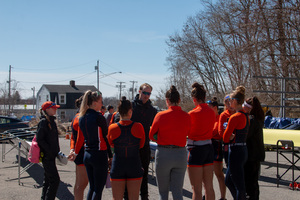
x=81, y=180
x=236, y=133
x=170, y=129
x=218, y=151
x=127, y=137
x=201, y=152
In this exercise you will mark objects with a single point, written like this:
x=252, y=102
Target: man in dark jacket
x=144, y=113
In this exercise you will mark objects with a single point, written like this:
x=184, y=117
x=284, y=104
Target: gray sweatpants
x=170, y=167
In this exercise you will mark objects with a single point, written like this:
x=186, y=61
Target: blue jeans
x=170, y=167
x=96, y=165
x=235, y=180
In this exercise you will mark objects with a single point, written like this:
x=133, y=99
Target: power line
x=60, y=80
x=57, y=68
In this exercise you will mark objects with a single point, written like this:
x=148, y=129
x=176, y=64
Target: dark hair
x=198, y=92
x=124, y=106
x=257, y=110
x=173, y=95
x=213, y=102
x=78, y=102
x=88, y=98
x=239, y=94
x=103, y=107
x=147, y=85
x=110, y=107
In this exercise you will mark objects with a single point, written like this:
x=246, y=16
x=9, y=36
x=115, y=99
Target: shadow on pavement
x=37, y=173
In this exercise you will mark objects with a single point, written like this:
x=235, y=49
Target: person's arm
x=232, y=124
x=103, y=125
x=154, y=129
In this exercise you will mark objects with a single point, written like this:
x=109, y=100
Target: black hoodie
x=144, y=114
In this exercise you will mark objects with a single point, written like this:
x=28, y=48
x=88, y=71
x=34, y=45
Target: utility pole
x=133, y=89
x=9, y=81
x=120, y=86
x=33, y=100
x=97, y=68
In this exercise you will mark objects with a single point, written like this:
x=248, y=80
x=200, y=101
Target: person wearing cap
x=47, y=139
x=217, y=141
x=223, y=120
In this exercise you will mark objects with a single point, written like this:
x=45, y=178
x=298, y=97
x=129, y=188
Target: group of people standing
x=195, y=142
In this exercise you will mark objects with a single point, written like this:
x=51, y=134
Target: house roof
x=70, y=89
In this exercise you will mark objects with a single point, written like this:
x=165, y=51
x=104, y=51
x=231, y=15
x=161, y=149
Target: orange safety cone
x=67, y=136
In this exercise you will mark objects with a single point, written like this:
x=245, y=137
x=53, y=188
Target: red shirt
x=236, y=121
x=78, y=144
x=223, y=118
x=137, y=131
x=216, y=135
x=203, y=119
x=172, y=127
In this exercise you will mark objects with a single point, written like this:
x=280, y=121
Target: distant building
x=63, y=95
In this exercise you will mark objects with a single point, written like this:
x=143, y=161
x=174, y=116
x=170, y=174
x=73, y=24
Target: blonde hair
x=88, y=98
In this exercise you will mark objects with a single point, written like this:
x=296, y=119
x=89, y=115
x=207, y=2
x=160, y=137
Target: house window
x=47, y=98
x=40, y=98
x=62, y=99
x=62, y=115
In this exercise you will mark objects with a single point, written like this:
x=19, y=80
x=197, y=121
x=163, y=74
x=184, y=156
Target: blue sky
x=52, y=42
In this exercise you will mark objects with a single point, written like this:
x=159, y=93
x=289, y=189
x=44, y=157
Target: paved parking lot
x=31, y=180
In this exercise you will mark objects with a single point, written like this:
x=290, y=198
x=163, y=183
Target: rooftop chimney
x=72, y=83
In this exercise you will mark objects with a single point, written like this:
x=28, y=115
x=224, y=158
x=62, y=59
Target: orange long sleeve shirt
x=236, y=121
x=215, y=134
x=202, y=122
x=137, y=131
x=172, y=127
x=223, y=118
x=79, y=142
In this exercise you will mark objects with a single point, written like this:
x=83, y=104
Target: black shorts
x=126, y=169
x=218, y=150
x=200, y=156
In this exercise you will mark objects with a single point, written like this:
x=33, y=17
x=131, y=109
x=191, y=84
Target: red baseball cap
x=49, y=104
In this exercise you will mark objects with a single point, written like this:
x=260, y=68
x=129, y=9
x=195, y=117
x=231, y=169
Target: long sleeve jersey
x=224, y=116
x=172, y=127
x=216, y=135
x=236, y=121
x=202, y=122
x=137, y=131
x=77, y=138
x=94, y=128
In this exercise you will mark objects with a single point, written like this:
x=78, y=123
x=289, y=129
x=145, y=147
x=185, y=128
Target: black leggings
x=96, y=165
x=51, y=179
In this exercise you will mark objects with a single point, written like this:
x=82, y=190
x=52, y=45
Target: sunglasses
x=146, y=93
x=234, y=98
x=50, y=106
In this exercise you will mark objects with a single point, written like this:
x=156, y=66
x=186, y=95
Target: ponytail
x=88, y=98
x=44, y=113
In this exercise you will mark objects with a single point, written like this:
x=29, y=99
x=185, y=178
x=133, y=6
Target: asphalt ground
x=31, y=180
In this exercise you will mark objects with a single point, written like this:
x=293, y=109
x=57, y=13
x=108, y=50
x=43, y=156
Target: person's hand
x=232, y=137
x=71, y=156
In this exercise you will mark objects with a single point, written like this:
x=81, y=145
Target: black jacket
x=144, y=114
x=47, y=138
x=255, y=140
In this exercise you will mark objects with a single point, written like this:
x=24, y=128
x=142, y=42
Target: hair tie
x=247, y=105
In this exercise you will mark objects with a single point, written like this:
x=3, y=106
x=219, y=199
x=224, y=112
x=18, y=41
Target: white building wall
x=42, y=97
